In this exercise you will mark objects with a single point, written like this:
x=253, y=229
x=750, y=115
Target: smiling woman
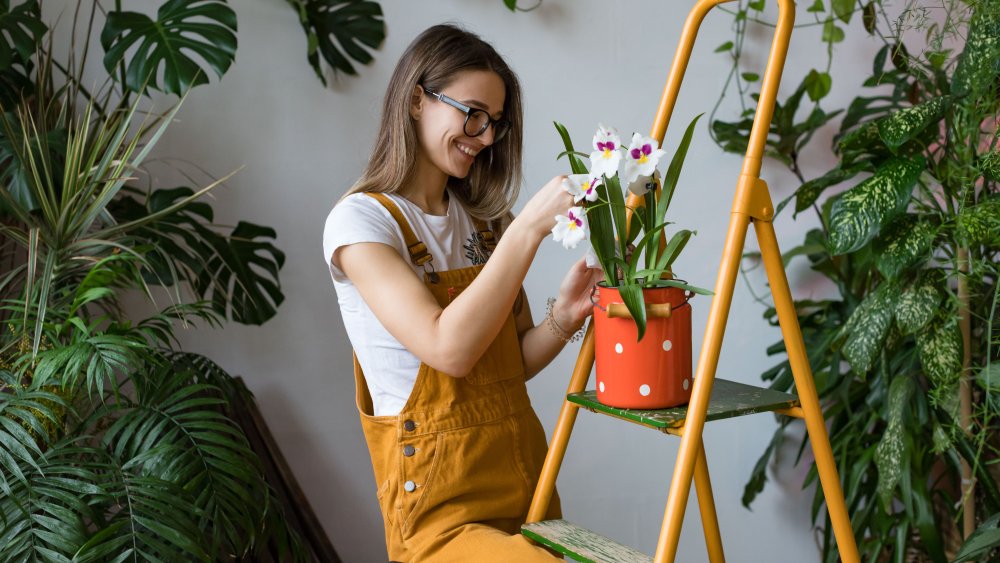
x=431, y=298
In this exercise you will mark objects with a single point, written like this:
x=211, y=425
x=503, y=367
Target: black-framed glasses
x=476, y=120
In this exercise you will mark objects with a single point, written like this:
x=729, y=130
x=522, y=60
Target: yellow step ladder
x=711, y=399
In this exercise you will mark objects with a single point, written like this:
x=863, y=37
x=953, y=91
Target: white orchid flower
x=607, y=153
x=571, y=228
x=643, y=184
x=641, y=158
x=582, y=186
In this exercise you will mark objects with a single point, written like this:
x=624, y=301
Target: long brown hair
x=432, y=61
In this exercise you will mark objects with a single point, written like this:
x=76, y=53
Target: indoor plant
x=905, y=353
x=642, y=319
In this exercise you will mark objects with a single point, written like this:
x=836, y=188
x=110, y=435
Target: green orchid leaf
x=575, y=164
x=979, y=63
x=636, y=304
x=902, y=126
x=674, y=248
x=867, y=329
x=904, y=242
x=674, y=170
x=980, y=223
x=617, y=199
x=858, y=214
x=917, y=305
x=892, y=452
x=571, y=152
x=940, y=348
x=180, y=28
x=342, y=31
x=602, y=235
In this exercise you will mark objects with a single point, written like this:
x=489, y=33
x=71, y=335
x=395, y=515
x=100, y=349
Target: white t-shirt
x=391, y=369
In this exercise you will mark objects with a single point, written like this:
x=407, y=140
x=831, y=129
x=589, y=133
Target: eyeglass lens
x=479, y=120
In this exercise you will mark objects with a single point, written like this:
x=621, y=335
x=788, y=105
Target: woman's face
x=440, y=126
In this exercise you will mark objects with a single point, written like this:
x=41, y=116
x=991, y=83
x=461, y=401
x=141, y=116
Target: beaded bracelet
x=557, y=330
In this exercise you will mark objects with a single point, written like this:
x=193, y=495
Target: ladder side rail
x=546, y=485
x=666, y=549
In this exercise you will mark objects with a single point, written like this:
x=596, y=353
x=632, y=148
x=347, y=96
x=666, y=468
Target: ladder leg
x=806, y=388
x=706, y=505
x=564, y=427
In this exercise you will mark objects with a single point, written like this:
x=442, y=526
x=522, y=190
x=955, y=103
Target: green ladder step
x=729, y=399
x=580, y=543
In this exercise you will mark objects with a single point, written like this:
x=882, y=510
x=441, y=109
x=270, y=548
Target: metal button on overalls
x=409, y=450
x=409, y=426
x=409, y=486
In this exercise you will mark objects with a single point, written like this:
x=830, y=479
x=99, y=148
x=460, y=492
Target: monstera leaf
x=206, y=28
x=21, y=31
x=340, y=30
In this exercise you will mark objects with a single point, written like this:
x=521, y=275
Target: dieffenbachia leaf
x=862, y=139
x=979, y=63
x=206, y=28
x=980, y=223
x=859, y=213
x=899, y=127
x=891, y=452
x=904, y=242
x=940, y=347
x=916, y=306
x=867, y=328
x=809, y=192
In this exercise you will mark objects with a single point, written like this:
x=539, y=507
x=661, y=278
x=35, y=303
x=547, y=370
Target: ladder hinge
x=753, y=199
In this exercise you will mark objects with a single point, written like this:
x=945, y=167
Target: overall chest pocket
x=502, y=360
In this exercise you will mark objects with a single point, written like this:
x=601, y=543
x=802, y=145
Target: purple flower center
x=608, y=146
x=646, y=149
x=575, y=219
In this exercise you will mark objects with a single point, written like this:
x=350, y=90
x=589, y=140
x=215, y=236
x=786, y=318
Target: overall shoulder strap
x=417, y=249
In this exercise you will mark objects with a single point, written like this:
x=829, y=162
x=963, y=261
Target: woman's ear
x=416, y=102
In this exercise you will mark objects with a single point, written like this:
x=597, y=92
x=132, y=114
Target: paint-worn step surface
x=729, y=399
x=580, y=543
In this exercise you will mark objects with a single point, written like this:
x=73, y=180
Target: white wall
x=580, y=62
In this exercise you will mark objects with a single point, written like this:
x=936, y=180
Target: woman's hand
x=573, y=305
x=539, y=214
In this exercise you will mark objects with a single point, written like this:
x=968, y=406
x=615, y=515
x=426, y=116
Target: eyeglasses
x=476, y=120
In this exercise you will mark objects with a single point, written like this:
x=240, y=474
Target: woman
x=445, y=338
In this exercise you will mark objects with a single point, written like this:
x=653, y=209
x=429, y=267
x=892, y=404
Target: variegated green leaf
x=859, y=213
x=989, y=377
x=941, y=439
x=916, y=306
x=899, y=127
x=859, y=141
x=809, y=192
x=867, y=328
x=980, y=223
x=940, y=347
x=904, y=242
x=979, y=64
x=891, y=453
x=989, y=164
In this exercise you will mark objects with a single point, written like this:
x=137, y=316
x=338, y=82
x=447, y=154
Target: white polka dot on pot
x=644, y=390
x=600, y=385
x=619, y=348
x=686, y=383
x=667, y=345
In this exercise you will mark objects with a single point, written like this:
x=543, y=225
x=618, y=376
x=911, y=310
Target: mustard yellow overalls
x=456, y=469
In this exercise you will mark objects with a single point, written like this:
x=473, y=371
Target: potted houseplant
x=642, y=315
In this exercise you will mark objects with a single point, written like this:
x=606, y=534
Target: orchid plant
x=628, y=266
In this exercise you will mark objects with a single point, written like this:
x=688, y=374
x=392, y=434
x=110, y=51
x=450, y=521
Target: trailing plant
x=905, y=354
x=614, y=172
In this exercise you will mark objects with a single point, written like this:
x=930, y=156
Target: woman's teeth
x=467, y=150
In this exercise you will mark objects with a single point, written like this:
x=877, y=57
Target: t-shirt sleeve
x=357, y=218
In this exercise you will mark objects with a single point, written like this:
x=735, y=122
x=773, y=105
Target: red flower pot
x=654, y=373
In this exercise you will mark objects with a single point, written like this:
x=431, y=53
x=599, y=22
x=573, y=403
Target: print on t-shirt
x=475, y=249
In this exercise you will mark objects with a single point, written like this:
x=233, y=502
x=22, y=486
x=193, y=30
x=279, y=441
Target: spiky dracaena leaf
x=899, y=127
x=867, y=328
x=891, y=453
x=916, y=306
x=859, y=213
x=903, y=243
x=940, y=347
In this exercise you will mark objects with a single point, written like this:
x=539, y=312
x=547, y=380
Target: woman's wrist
x=560, y=325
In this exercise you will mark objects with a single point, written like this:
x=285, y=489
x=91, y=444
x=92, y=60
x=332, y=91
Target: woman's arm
x=539, y=344
x=452, y=339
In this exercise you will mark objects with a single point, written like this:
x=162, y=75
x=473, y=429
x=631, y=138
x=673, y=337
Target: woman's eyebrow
x=479, y=105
